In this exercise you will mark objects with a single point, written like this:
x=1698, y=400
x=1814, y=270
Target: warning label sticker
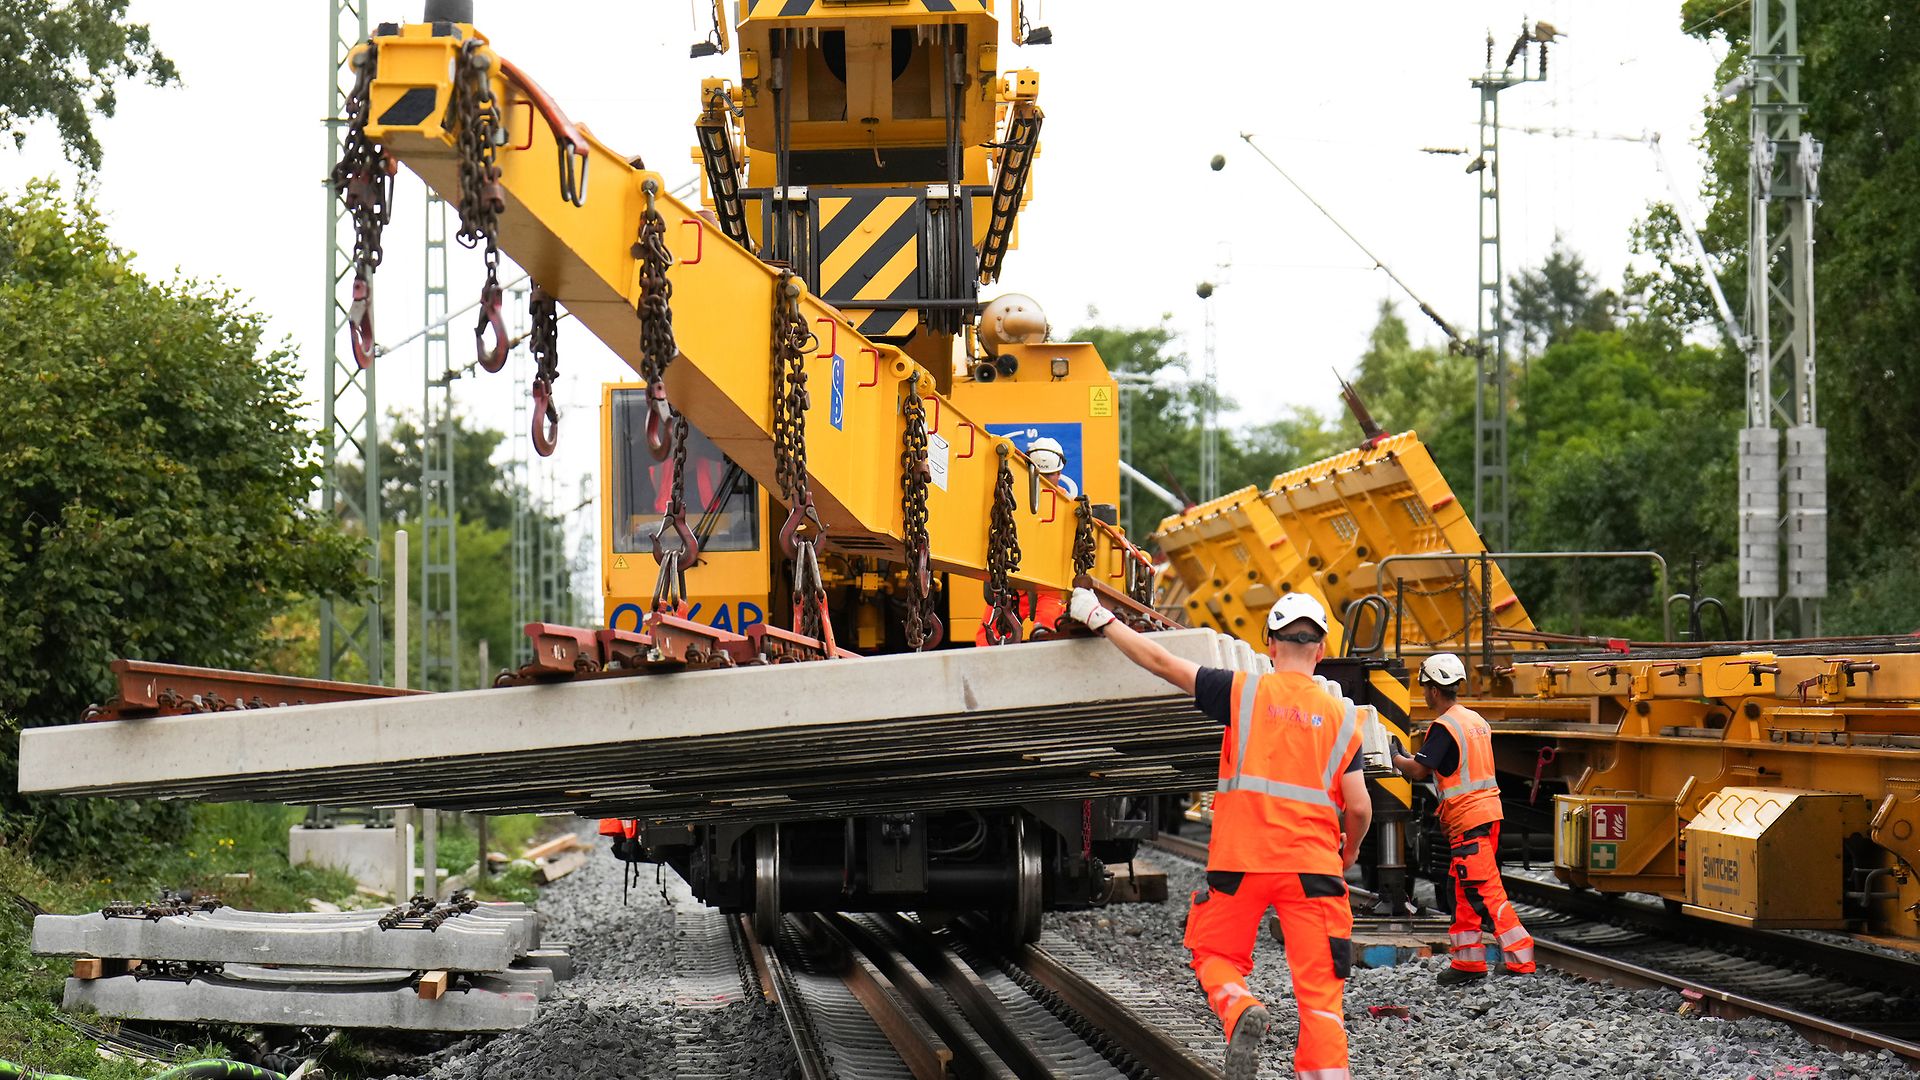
x=937, y=460
x=1100, y=401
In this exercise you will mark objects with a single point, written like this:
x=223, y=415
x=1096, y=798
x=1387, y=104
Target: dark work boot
x=1243, y=1050
x=1453, y=976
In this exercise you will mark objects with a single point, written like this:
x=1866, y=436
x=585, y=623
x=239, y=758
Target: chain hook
x=546, y=419
x=803, y=527
x=360, y=321
x=659, y=424
x=492, y=358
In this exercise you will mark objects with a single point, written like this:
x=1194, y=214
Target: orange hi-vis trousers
x=1317, y=924
x=1480, y=903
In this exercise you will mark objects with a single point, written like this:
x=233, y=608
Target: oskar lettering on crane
x=722, y=616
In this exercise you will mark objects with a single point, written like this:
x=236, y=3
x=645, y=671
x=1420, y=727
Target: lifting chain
x=1083, y=550
x=924, y=630
x=1139, y=577
x=363, y=180
x=1003, y=557
x=477, y=141
x=670, y=588
x=657, y=347
x=544, y=341
x=803, y=530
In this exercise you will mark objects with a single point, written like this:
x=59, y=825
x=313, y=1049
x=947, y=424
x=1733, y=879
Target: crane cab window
x=641, y=486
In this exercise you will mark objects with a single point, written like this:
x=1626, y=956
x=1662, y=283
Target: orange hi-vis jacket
x=1469, y=795
x=1278, y=805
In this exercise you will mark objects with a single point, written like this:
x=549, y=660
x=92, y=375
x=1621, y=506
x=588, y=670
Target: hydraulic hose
x=208, y=1069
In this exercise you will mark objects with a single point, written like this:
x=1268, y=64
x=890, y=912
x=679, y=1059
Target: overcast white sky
x=221, y=179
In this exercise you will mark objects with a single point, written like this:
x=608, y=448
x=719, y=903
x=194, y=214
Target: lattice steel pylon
x=550, y=529
x=439, y=510
x=350, y=416
x=1783, y=187
x=1491, y=500
x=520, y=475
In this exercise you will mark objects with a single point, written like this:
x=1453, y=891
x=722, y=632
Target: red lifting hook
x=546, y=419
x=495, y=358
x=659, y=421
x=360, y=321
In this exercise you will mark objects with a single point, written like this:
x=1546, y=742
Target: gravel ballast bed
x=617, y=1017
x=1546, y=1024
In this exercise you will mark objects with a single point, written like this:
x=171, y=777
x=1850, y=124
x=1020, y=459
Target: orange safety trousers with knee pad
x=1317, y=924
x=1480, y=905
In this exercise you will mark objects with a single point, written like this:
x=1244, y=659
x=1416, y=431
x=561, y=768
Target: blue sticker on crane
x=1067, y=435
x=839, y=399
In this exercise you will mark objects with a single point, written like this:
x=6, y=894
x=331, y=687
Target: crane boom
x=723, y=298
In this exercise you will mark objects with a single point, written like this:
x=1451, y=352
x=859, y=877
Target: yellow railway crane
x=827, y=424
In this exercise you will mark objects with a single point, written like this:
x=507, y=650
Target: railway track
x=1839, y=997
x=880, y=997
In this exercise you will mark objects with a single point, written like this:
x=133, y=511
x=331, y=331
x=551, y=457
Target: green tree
x=1621, y=443
x=1421, y=389
x=484, y=500
x=1861, y=86
x=1548, y=302
x=64, y=59
x=154, y=484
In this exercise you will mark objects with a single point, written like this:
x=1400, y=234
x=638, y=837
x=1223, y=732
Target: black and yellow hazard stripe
x=868, y=245
x=793, y=9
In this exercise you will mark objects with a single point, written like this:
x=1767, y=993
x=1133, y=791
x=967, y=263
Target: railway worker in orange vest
x=1458, y=756
x=1288, y=817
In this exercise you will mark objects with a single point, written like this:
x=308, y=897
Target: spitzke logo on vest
x=1292, y=715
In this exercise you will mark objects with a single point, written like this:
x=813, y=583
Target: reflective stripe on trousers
x=1323, y=1074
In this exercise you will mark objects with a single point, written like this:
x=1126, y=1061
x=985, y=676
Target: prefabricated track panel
x=487, y=939
x=961, y=727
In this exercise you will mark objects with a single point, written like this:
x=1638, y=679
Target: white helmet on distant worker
x=1047, y=455
x=1291, y=608
x=1442, y=669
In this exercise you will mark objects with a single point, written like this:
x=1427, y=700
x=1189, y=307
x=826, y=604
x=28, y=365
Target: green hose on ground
x=209, y=1069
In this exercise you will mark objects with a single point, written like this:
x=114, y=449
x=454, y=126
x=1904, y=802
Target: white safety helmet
x=1047, y=455
x=1442, y=669
x=1291, y=608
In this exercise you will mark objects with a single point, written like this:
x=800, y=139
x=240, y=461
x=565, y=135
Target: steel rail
x=1147, y=1044
x=1819, y=1030
x=1185, y=847
x=810, y=1058
x=926, y=1055
x=1860, y=965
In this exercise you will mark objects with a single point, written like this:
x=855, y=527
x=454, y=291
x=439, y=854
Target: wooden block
x=1135, y=884
x=555, y=869
x=547, y=849
x=90, y=968
x=433, y=985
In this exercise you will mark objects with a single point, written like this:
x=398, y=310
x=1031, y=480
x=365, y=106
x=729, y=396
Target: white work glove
x=1085, y=609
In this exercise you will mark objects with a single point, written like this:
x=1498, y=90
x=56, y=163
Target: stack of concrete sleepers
x=961, y=727
x=428, y=969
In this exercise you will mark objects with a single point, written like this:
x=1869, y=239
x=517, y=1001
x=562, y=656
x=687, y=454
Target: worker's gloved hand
x=1399, y=748
x=1085, y=609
